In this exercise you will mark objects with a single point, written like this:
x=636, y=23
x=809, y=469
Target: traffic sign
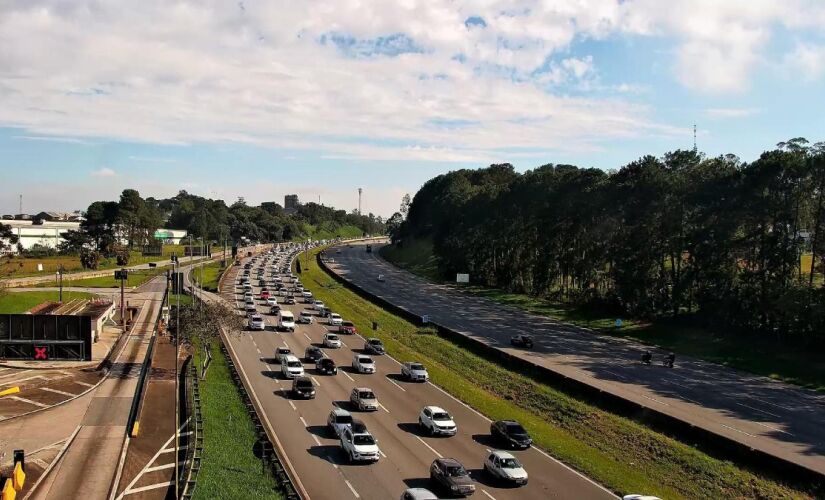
x=425, y=319
x=40, y=352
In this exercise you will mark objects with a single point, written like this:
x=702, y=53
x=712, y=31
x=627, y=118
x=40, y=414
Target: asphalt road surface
x=774, y=417
x=406, y=452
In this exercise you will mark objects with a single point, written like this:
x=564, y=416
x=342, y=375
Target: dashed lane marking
x=85, y=384
x=349, y=485
x=347, y=375
x=303, y=421
x=292, y=405
x=430, y=447
x=489, y=495
x=27, y=401
x=395, y=384
x=383, y=407
x=49, y=389
x=150, y=487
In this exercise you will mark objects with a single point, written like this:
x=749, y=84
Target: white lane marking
x=654, y=399
x=772, y=404
x=150, y=487
x=489, y=495
x=759, y=410
x=303, y=421
x=737, y=430
x=257, y=349
x=307, y=336
x=382, y=453
x=430, y=447
x=160, y=467
x=393, y=383
x=17, y=372
x=615, y=375
x=49, y=389
x=317, y=384
x=315, y=438
x=83, y=383
x=293, y=406
x=383, y=407
x=352, y=489
x=347, y=375
x=268, y=368
x=28, y=401
x=17, y=381
x=773, y=428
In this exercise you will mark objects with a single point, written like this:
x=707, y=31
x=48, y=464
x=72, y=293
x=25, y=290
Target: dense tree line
x=668, y=236
x=112, y=228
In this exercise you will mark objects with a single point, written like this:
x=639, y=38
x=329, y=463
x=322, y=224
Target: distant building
x=291, y=203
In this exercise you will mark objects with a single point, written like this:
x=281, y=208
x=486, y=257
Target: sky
x=265, y=98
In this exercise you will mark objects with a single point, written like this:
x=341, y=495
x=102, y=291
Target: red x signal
x=40, y=353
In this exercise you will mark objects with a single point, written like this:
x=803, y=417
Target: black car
x=374, y=346
x=275, y=309
x=522, y=341
x=313, y=354
x=302, y=387
x=326, y=366
x=448, y=475
x=510, y=433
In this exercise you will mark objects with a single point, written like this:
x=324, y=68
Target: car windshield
x=363, y=439
x=303, y=384
x=417, y=367
x=509, y=463
x=293, y=364
x=343, y=419
x=515, y=429
x=441, y=416
x=366, y=395
x=456, y=471
x=281, y=350
x=366, y=361
x=327, y=362
x=375, y=342
x=332, y=337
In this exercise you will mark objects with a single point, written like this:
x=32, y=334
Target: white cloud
x=103, y=172
x=730, y=112
x=807, y=61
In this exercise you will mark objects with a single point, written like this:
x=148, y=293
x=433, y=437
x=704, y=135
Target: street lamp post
x=177, y=390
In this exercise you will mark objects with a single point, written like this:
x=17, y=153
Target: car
x=319, y=305
x=374, y=346
x=381, y=278
x=291, y=367
x=313, y=354
x=286, y=321
x=525, y=341
x=275, y=309
x=256, y=322
x=636, y=496
x=264, y=294
x=448, y=475
x=261, y=281
x=250, y=308
x=338, y=420
x=335, y=319
x=281, y=352
x=504, y=467
x=414, y=372
x=247, y=286
x=299, y=289
x=303, y=388
x=347, y=327
x=418, y=494
x=305, y=317
x=359, y=446
x=248, y=299
x=364, y=399
x=289, y=300
x=332, y=341
x=437, y=422
x=326, y=366
x=306, y=295
x=271, y=301
x=363, y=364
x=510, y=433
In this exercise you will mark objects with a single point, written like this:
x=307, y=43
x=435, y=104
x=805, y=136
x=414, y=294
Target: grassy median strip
x=623, y=455
x=230, y=469
x=20, y=302
x=208, y=275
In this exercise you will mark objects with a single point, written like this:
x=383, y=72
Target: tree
x=394, y=227
x=405, y=205
x=7, y=237
x=74, y=241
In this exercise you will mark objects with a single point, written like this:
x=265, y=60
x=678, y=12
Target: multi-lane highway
x=321, y=469
x=777, y=418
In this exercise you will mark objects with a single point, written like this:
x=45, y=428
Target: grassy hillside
x=593, y=441
x=20, y=302
x=414, y=255
x=328, y=231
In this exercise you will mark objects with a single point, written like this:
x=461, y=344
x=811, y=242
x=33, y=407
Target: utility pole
x=359, y=201
x=60, y=270
x=122, y=275
x=177, y=389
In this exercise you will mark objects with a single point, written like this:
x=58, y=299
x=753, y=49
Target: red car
x=348, y=328
x=265, y=294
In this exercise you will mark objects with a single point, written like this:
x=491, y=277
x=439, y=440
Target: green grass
x=208, y=275
x=615, y=451
x=20, y=302
x=135, y=278
x=414, y=255
x=325, y=232
x=229, y=468
x=780, y=361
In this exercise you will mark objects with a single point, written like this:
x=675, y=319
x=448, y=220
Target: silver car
x=338, y=420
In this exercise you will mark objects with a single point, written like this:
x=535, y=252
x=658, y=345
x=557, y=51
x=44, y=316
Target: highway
x=780, y=419
x=314, y=455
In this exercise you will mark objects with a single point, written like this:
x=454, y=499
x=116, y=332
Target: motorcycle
x=646, y=358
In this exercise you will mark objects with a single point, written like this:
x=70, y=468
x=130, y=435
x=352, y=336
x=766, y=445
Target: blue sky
x=261, y=99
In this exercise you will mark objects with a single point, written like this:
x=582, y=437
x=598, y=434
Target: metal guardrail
x=191, y=464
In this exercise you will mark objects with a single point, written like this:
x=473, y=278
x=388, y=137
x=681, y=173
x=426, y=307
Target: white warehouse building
x=49, y=234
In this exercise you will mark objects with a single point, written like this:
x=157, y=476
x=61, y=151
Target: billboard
x=462, y=278
x=45, y=337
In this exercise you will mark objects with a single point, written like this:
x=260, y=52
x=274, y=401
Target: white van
x=286, y=320
x=291, y=367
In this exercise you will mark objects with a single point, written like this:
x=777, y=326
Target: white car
x=414, y=372
x=256, y=322
x=505, y=467
x=360, y=447
x=305, y=317
x=250, y=308
x=363, y=364
x=437, y=421
x=418, y=494
x=291, y=367
x=319, y=305
x=271, y=301
x=364, y=399
x=332, y=341
x=335, y=319
x=306, y=295
x=286, y=320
